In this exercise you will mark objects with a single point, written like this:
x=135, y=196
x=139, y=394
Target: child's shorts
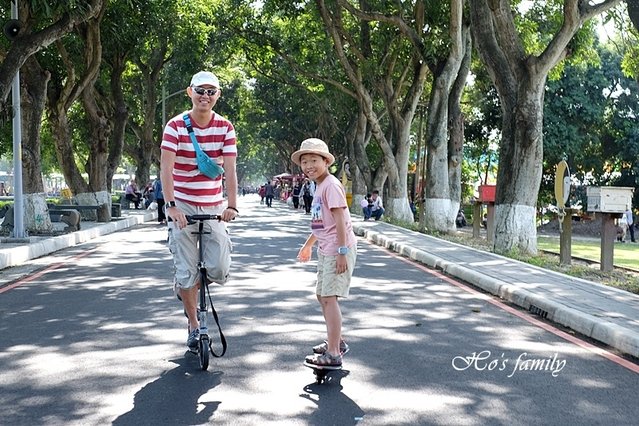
x=329, y=283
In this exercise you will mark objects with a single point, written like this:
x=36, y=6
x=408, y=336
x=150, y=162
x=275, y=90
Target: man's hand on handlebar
x=229, y=214
x=176, y=215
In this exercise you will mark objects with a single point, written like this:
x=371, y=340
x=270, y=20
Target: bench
x=58, y=208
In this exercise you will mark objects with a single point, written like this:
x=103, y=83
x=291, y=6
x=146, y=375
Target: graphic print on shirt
x=316, y=214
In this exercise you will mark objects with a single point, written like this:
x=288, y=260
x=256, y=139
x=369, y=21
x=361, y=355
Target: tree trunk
x=64, y=149
x=516, y=197
x=149, y=149
x=359, y=165
x=70, y=87
x=456, y=126
x=34, y=88
x=520, y=81
x=99, y=132
x=119, y=119
x=633, y=12
x=440, y=204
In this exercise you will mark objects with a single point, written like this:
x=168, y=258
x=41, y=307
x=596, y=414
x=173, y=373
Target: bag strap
x=219, y=329
x=189, y=128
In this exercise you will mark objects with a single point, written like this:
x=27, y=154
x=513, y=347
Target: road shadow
x=174, y=397
x=333, y=406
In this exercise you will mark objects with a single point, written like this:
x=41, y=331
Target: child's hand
x=304, y=254
x=341, y=265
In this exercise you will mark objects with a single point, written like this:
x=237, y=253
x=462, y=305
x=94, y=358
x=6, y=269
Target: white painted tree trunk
x=93, y=199
x=444, y=211
x=515, y=228
x=400, y=208
x=440, y=202
x=36, y=216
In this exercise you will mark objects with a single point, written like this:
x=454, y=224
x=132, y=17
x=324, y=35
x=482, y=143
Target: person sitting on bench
x=133, y=194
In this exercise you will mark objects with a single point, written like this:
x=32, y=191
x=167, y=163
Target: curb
x=20, y=254
x=618, y=337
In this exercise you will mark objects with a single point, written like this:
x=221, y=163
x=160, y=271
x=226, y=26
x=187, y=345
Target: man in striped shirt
x=187, y=191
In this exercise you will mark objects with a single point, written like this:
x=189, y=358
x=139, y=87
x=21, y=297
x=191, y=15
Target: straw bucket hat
x=313, y=146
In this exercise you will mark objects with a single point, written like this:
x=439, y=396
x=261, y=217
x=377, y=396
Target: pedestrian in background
x=307, y=195
x=132, y=194
x=159, y=199
x=269, y=193
x=631, y=223
x=366, y=205
x=377, y=207
x=297, y=189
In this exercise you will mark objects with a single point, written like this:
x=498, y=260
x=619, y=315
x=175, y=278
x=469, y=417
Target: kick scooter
x=204, y=344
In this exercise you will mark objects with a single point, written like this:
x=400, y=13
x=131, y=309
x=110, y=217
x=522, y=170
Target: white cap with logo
x=203, y=78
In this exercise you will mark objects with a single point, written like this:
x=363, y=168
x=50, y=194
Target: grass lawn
x=626, y=255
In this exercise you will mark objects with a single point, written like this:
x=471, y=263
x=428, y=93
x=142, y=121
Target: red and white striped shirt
x=217, y=140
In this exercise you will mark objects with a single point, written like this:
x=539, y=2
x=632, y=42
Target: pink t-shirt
x=329, y=194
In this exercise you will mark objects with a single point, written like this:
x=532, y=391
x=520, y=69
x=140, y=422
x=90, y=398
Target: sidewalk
x=16, y=253
x=605, y=314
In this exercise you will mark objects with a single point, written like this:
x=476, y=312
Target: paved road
x=96, y=337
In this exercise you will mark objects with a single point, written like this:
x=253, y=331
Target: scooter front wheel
x=203, y=352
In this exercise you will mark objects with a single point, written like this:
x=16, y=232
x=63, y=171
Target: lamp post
x=164, y=98
x=18, y=206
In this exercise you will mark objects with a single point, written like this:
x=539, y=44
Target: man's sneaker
x=323, y=347
x=193, y=340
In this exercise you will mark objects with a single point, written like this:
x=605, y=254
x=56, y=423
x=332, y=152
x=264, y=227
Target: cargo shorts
x=216, y=253
x=329, y=283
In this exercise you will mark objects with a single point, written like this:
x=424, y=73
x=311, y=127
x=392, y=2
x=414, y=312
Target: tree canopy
x=353, y=73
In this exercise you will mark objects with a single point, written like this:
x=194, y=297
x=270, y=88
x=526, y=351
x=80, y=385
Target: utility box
x=609, y=199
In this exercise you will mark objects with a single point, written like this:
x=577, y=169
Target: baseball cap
x=204, y=77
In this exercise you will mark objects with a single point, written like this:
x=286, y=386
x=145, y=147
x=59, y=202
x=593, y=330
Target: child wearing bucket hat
x=331, y=228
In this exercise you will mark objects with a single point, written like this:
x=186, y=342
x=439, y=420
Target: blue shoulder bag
x=207, y=166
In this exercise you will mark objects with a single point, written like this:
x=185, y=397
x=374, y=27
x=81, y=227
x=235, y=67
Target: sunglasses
x=201, y=91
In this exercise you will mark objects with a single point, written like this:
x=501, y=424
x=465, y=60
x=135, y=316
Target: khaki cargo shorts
x=329, y=283
x=217, y=248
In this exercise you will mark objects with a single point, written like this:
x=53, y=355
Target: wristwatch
x=342, y=250
x=170, y=204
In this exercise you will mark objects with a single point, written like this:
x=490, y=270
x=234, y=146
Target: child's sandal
x=325, y=360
